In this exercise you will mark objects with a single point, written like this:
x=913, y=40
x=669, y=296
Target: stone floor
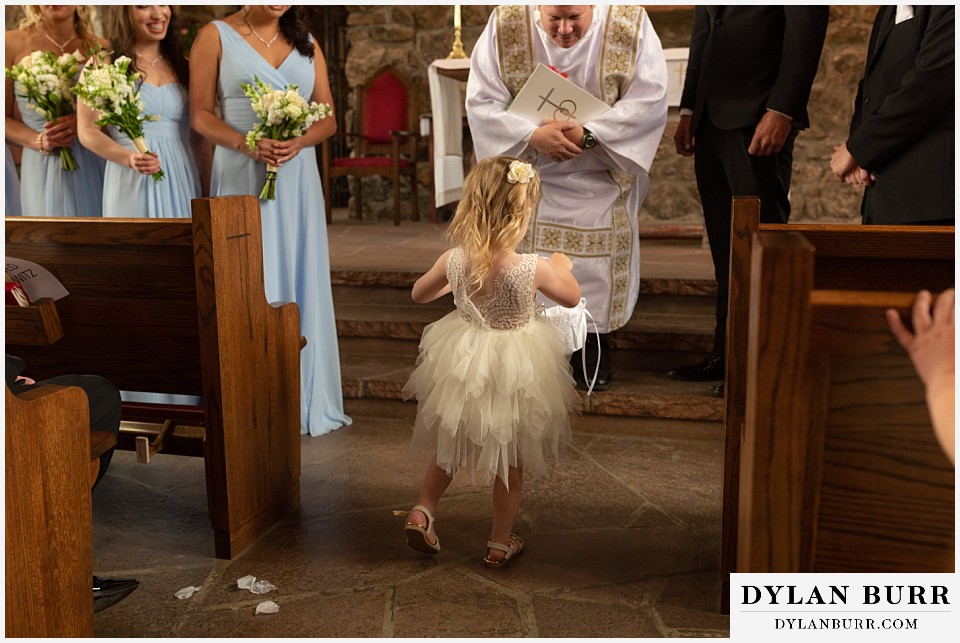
x=622, y=541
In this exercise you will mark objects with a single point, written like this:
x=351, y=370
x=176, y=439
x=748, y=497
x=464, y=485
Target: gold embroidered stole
x=514, y=45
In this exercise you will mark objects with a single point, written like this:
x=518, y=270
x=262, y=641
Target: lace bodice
x=511, y=305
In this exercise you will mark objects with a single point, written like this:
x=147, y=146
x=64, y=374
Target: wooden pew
x=178, y=306
x=48, y=532
x=840, y=470
x=848, y=257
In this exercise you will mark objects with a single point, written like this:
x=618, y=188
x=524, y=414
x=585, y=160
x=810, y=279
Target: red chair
x=386, y=144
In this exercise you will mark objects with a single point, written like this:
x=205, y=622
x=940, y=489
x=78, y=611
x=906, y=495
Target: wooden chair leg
x=396, y=196
x=358, y=200
x=414, y=201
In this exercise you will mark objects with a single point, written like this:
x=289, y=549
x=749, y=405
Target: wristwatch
x=589, y=140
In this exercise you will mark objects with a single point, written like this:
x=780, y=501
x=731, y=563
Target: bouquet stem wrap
x=141, y=144
x=269, y=190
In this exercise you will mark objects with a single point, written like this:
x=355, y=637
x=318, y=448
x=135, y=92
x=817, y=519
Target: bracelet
x=43, y=150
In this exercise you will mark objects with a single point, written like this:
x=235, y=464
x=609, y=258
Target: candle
x=456, y=16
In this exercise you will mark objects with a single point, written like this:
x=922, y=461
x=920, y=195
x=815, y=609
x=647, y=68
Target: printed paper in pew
x=36, y=280
x=547, y=94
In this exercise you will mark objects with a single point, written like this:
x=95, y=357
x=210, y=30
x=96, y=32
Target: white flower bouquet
x=110, y=89
x=283, y=114
x=45, y=81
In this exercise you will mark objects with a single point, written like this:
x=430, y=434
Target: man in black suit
x=744, y=100
x=901, y=142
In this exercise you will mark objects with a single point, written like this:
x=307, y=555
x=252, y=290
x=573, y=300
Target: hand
x=550, y=139
x=861, y=176
x=148, y=163
x=573, y=134
x=683, y=138
x=770, y=134
x=931, y=343
x=27, y=381
x=931, y=347
x=61, y=132
x=846, y=168
x=842, y=162
x=560, y=261
x=267, y=150
x=288, y=149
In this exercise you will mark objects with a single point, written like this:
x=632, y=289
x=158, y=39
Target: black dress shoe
x=717, y=391
x=604, y=378
x=593, y=346
x=711, y=368
x=110, y=591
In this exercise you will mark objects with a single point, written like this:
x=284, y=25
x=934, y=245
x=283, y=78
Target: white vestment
x=589, y=205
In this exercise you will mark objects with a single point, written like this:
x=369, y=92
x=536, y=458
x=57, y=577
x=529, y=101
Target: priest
x=595, y=174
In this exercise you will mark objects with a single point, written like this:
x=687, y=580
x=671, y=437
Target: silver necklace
x=63, y=47
x=152, y=63
x=259, y=37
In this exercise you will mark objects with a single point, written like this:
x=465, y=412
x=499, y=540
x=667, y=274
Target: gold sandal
x=513, y=549
x=417, y=536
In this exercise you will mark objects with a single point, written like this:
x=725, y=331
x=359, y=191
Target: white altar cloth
x=446, y=101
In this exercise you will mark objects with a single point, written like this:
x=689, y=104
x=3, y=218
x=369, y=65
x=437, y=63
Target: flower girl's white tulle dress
x=493, y=386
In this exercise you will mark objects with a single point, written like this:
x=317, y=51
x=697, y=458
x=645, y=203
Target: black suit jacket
x=902, y=128
x=747, y=59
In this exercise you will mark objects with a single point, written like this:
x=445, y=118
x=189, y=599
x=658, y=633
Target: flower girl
x=493, y=387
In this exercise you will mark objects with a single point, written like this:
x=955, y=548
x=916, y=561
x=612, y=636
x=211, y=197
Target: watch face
x=589, y=140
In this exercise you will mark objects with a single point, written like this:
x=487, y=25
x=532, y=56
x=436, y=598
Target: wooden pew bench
x=48, y=532
x=840, y=470
x=177, y=306
x=846, y=258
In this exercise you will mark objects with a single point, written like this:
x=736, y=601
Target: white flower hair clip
x=519, y=172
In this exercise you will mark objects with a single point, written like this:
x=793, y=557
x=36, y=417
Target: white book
x=547, y=94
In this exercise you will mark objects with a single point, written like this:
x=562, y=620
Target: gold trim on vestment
x=621, y=38
x=514, y=46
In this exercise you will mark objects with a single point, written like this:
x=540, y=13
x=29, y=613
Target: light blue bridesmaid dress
x=11, y=204
x=126, y=192
x=296, y=262
x=47, y=190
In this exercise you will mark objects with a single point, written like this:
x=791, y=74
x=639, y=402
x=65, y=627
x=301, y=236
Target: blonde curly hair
x=492, y=214
x=83, y=19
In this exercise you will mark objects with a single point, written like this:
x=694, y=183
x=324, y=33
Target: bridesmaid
x=150, y=36
x=272, y=43
x=45, y=188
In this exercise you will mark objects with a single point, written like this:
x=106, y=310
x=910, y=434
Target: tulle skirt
x=488, y=400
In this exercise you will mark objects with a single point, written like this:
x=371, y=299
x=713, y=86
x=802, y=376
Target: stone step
x=397, y=284
x=377, y=368
x=659, y=322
